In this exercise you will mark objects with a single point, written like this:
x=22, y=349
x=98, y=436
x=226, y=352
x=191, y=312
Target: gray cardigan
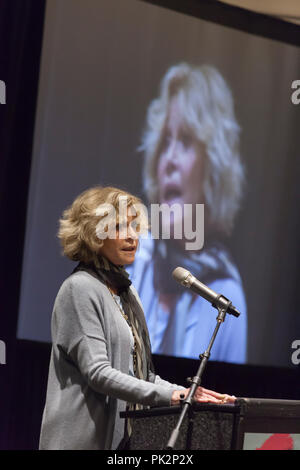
x=88, y=383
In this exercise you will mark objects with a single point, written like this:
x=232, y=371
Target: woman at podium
x=101, y=354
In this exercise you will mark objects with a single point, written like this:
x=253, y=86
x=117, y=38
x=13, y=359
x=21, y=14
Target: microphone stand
x=196, y=380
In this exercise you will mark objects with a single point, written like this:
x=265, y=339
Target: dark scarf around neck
x=118, y=278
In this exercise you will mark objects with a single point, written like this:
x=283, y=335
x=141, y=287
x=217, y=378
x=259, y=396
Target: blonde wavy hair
x=206, y=104
x=78, y=225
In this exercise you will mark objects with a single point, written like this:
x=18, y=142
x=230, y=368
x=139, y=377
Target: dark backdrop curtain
x=21, y=27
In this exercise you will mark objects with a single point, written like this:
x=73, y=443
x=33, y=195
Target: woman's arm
x=154, y=378
x=202, y=395
x=78, y=330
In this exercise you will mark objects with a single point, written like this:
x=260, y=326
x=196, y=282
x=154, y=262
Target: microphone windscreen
x=180, y=274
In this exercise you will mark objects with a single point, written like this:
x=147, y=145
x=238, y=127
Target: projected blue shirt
x=194, y=318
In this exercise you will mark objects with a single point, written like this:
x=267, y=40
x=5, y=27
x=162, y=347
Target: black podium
x=219, y=427
x=268, y=424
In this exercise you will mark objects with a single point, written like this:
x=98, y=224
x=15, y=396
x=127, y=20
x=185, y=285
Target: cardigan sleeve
x=79, y=331
x=164, y=383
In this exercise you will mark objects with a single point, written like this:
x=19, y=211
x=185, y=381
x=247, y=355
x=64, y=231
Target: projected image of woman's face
x=181, y=162
x=180, y=168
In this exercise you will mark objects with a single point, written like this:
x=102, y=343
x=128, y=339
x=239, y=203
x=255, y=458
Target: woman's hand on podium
x=203, y=395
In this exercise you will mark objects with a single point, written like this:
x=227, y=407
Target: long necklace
x=134, y=354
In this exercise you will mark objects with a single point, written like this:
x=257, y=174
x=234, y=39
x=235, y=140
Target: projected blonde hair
x=78, y=225
x=206, y=104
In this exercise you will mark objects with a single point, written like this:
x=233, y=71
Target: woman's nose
x=171, y=159
x=171, y=150
x=132, y=233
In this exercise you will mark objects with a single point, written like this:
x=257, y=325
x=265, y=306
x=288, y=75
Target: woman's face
x=121, y=250
x=180, y=167
x=181, y=162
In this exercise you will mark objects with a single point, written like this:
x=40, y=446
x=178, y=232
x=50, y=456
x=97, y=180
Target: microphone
x=185, y=278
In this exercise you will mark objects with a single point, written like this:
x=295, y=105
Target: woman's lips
x=129, y=248
x=171, y=192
